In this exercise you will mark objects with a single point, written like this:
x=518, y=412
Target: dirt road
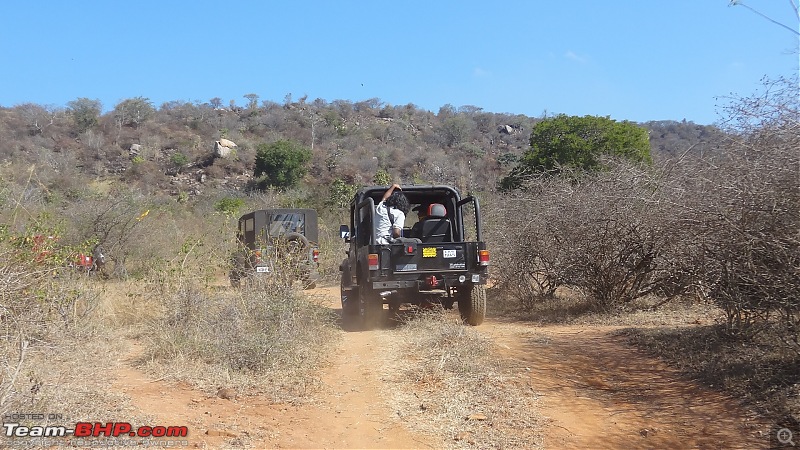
x=595, y=392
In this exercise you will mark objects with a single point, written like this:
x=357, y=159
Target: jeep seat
x=436, y=227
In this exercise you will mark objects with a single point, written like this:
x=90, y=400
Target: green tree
x=229, y=207
x=456, y=130
x=178, y=160
x=382, y=177
x=84, y=112
x=571, y=142
x=341, y=192
x=280, y=164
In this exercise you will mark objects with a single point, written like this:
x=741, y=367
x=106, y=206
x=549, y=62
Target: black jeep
x=278, y=243
x=435, y=265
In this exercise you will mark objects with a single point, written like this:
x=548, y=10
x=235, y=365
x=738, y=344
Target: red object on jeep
x=432, y=281
x=85, y=261
x=483, y=257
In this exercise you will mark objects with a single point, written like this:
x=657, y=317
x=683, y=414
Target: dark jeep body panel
x=278, y=235
x=440, y=266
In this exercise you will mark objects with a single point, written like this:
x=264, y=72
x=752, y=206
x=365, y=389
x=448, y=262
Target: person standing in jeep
x=390, y=215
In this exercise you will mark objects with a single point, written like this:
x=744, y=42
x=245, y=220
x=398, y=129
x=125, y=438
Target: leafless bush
x=41, y=306
x=610, y=235
x=13, y=282
x=117, y=222
x=331, y=246
x=746, y=212
x=725, y=225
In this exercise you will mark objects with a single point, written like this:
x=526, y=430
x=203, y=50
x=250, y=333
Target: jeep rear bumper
x=449, y=280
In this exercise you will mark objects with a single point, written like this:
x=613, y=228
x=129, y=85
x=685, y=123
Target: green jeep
x=278, y=242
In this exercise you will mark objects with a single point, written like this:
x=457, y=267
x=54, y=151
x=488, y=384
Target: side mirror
x=344, y=232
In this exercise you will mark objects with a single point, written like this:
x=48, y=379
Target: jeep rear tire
x=472, y=304
x=349, y=296
x=370, y=308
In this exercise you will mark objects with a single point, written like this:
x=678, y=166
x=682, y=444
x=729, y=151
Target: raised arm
x=389, y=191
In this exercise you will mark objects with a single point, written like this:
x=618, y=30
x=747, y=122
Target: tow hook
x=385, y=294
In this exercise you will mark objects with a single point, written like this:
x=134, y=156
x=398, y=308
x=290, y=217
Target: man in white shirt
x=390, y=215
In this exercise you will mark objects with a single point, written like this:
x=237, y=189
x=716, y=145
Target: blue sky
x=637, y=60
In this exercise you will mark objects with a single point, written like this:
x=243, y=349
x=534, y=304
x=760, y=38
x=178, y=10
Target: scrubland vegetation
x=718, y=228
x=709, y=218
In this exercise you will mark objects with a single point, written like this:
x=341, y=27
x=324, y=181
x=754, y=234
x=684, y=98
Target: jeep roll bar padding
x=477, y=207
x=371, y=203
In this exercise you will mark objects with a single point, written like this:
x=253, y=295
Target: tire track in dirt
x=600, y=393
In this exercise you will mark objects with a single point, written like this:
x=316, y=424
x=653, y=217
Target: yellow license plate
x=429, y=252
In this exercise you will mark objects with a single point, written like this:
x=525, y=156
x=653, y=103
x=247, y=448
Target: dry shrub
x=121, y=223
x=49, y=340
x=722, y=225
x=570, y=307
x=213, y=337
x=331, y=246
x=60, y=376
x=610, y=235
x=744, y=223
x=745, y=213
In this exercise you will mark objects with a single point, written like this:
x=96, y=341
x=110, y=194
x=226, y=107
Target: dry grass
x=262, y=339
x=57, y=352
x=125, y=305
x=453, y=386
x=63, y=334
x=68, y=376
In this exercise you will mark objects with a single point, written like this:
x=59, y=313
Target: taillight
x=483, y=257
x=257, y=254
x=315, y=254
x=372, y=260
